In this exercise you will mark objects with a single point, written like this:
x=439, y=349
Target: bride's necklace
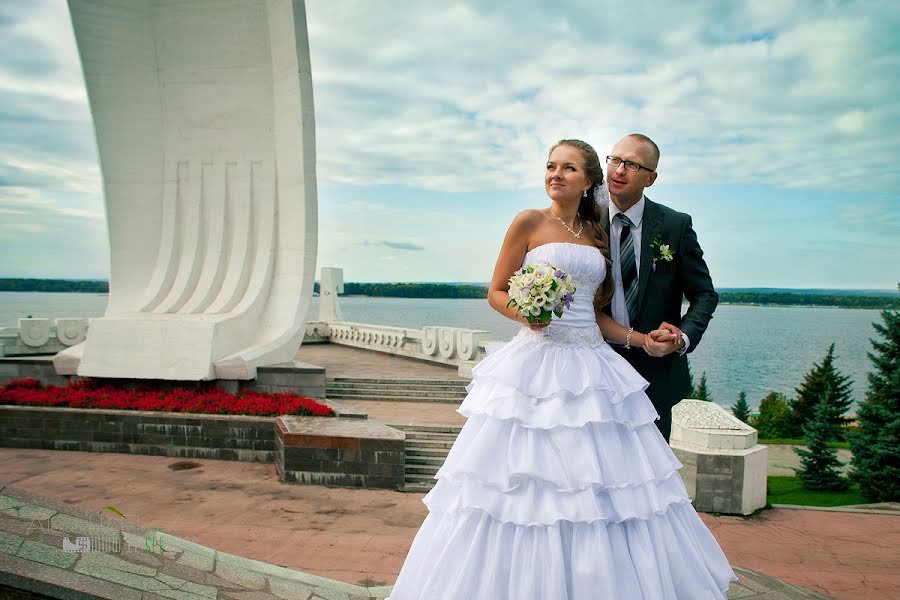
x=569, y=229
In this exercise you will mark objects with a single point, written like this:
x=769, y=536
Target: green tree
x=876, y=446
x=822, y=381
x=820, y=469
x=741, y=409
x=774, y=420
x=702, y=391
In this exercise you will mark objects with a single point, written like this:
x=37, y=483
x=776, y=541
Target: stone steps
x=390, y=385
x=419, y=459
x=396, y=390
x=416, y=488
x=423, y=382
x=428, y=435
x=429, y=428
x=442, y=445
x=425, y=451
x=421, y=470
x=381, y=396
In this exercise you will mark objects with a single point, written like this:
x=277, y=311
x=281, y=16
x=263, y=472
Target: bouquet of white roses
x=539, y=291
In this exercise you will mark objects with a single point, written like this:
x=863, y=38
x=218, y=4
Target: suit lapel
x=652, y=224
x=604, y=220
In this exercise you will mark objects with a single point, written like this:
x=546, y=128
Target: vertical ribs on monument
x=203, y=114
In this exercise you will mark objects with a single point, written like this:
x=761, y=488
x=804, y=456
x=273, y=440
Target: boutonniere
x=660, y=252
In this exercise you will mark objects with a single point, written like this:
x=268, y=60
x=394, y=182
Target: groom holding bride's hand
x=656, y=261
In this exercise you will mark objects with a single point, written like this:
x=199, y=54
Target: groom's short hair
x=643, y=138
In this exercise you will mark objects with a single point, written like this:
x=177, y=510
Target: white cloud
x=30, y=201
x=468, y=97
x=447, y=97
x=26, y=227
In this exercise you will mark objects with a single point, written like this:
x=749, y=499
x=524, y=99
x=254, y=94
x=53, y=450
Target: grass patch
x=801, y=442
x=789, y=490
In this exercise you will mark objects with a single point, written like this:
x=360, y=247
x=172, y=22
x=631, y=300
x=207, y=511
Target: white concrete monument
x=203, y=112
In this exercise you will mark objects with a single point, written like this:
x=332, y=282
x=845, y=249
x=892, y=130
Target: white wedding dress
x=559, y=486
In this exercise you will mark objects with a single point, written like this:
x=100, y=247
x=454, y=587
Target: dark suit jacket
x=660, y=296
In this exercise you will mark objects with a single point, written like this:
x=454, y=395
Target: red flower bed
x=89, y=394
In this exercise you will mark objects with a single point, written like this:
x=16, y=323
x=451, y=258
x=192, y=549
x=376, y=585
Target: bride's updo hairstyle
x=589, y=210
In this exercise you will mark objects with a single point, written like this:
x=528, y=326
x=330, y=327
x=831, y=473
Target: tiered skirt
x=560, y=487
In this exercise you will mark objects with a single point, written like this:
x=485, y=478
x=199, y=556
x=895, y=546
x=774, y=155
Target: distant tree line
x=446, y=290
x=413, y=290
x=791, y=299
x=89, y=286
x=450, y=290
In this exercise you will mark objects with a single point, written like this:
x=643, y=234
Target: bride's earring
x=584, y=194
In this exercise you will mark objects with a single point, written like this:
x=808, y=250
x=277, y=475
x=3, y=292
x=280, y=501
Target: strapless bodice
x=587, y=268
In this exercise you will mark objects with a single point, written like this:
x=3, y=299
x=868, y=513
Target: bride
x=559, y=486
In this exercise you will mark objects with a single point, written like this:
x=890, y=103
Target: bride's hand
x=538, y=326
x=663, y=341
x=665, y=333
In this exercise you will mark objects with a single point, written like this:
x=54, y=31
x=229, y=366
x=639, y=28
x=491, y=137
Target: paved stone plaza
x=119, y=561
x=346, y=361
x=361, y=536
x=242, y=534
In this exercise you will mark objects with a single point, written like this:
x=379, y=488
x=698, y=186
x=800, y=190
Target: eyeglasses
x=615, y=161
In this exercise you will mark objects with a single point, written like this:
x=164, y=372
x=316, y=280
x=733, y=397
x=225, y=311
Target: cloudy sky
x=779, y=124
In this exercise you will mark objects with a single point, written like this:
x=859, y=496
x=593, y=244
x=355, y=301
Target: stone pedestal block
x=724, y=468
x=293, y=376
x=341, y=452
x=724, y=481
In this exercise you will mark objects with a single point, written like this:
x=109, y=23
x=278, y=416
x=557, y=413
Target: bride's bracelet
x=628, y=338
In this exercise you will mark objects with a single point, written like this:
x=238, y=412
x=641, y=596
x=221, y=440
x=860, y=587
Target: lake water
x=752, y=348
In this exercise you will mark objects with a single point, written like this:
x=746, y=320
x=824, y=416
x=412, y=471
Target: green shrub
x=774, y=420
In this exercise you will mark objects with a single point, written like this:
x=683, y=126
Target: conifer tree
x=823, y=379
x=702, y=392
x=820, y=469
x=741, y=409
x=876, y=447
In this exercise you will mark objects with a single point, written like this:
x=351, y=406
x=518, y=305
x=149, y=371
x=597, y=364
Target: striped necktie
x=628, y=267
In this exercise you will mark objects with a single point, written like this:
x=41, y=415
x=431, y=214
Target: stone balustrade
x=455, y=346
x=459, y=347
x=42, y=336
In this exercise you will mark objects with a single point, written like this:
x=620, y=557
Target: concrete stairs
x=451, y=391
x=426, y=449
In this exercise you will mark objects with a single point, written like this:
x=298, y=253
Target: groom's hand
x=663, y=340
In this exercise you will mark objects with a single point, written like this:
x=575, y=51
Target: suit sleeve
x=697, y=285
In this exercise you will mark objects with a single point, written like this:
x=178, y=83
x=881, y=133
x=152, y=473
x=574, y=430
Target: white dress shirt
x=636, y=214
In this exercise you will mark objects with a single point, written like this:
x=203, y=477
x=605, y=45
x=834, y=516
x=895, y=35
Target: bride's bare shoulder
x=525, y=223
x=530, y=217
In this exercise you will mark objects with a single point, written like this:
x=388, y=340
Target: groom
x=656, y=260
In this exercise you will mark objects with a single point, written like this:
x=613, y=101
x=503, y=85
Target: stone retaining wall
x=346, y=452
x=222, y=437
